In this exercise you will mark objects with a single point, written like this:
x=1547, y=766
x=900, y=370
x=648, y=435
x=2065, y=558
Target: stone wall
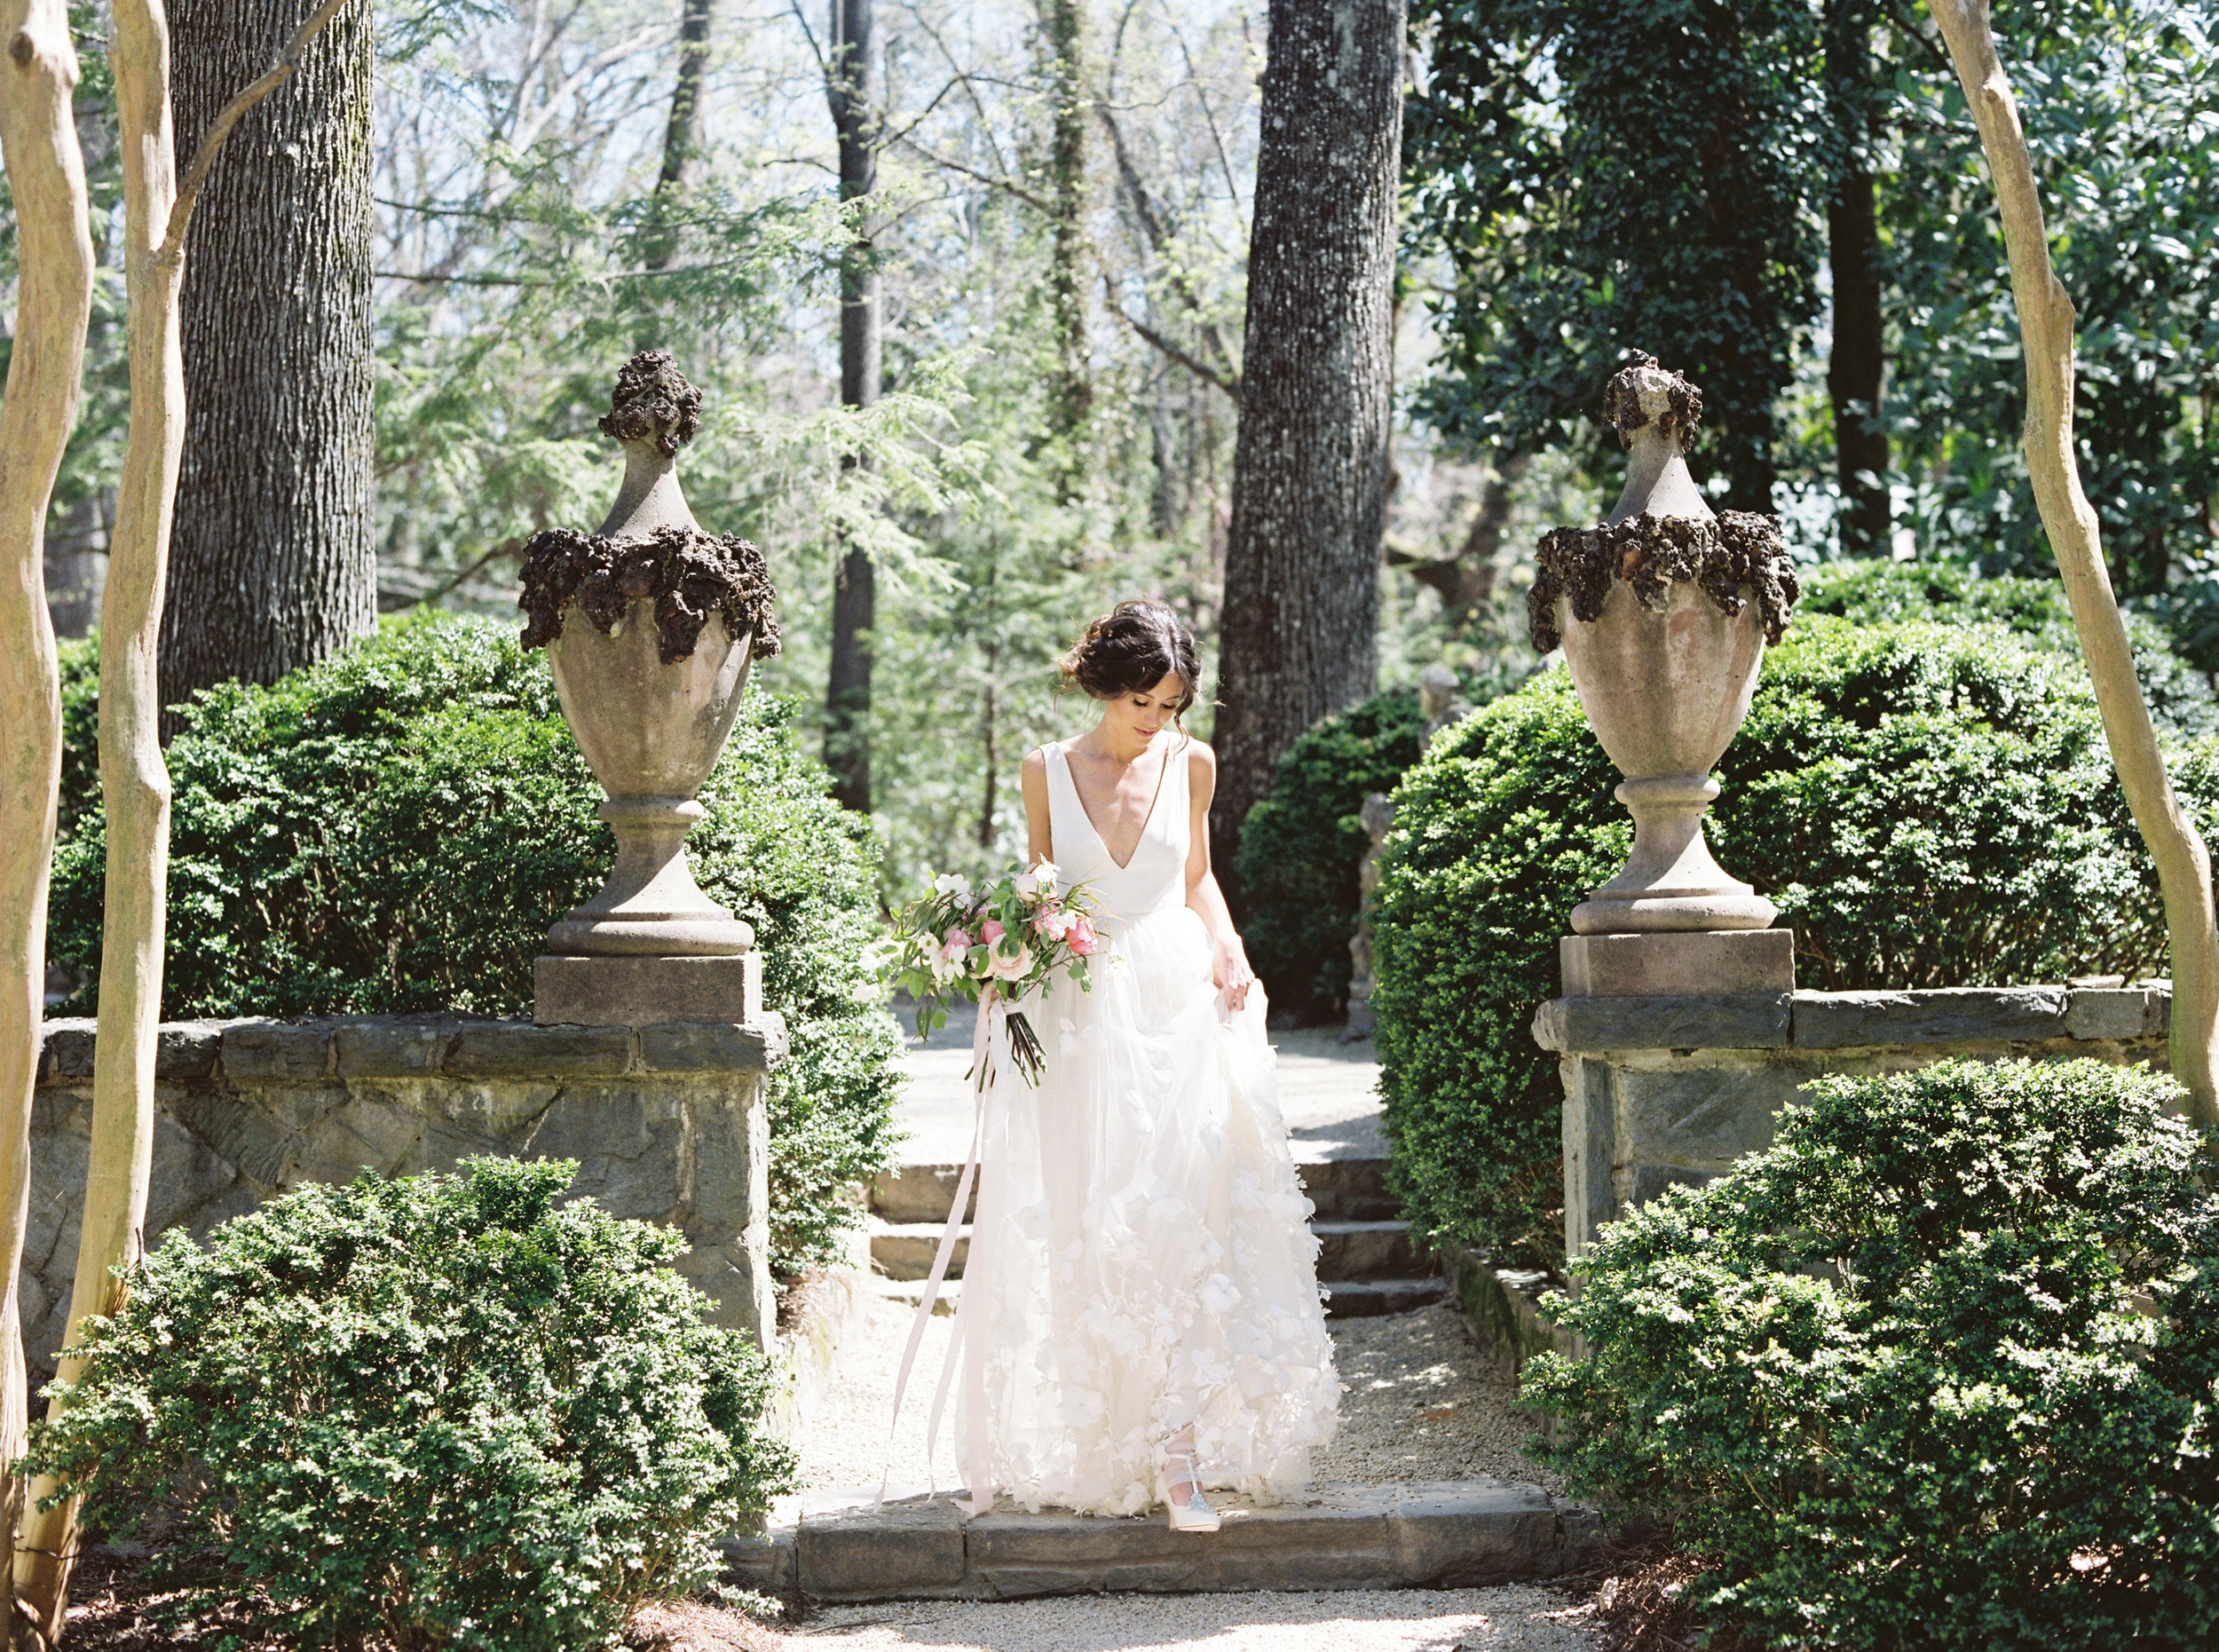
x=668, y=1124
x=1663, y=1090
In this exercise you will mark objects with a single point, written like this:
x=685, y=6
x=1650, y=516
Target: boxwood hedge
x=392, y=830
x=1935, y=1370
x=1928, y=805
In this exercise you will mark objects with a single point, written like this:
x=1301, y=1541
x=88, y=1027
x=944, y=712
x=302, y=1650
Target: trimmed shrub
x=440, y=1411
x=1928, y=807
x=1300, y=846
x=1933, y=1371
x=1943, y=593
x=392, y=832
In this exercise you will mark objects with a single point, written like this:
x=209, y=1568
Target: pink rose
x=991, y=931
x=1053, y=924
x=1080, y=936
x=958, y=942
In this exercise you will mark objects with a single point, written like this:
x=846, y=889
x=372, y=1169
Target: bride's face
x=1143, y=713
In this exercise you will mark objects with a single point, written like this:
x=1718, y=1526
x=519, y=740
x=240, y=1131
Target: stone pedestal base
x=646, y=991
x=1688, y=960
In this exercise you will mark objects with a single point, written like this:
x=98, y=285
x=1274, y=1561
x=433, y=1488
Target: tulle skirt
x=1141, y=1257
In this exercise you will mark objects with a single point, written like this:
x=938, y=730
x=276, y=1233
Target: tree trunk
x=45, y=370
x=1298, y=638
x=273, y=565
x=1854, y=372
x=1070, y=387
x=851, y=87
x=2045, y=326
x=682, y=136
x=134, y=783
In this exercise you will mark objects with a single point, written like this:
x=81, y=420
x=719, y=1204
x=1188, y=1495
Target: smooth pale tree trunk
x=272, y=563
x=851, y=87
x=1299, y=634
x=2045, y=326
x=134, y=783
x=45, y=370
x=1857, y=364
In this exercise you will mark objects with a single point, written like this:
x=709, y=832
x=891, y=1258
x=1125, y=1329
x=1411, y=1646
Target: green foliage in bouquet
x=440, y=1411
x=1936, y=1370
x=1929, y=806
x=392, y=832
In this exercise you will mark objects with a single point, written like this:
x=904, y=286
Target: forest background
x=1783, y=198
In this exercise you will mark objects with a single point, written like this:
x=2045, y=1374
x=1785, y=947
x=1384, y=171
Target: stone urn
x=1663, y=612
x=651, y=626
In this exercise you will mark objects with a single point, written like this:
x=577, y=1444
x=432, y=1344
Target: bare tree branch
x=1201, y=369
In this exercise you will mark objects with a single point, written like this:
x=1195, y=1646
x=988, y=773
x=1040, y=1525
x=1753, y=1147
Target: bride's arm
x=1228, y=960
x=1037, y=847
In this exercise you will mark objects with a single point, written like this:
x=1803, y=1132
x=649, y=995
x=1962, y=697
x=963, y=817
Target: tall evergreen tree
x=1622, y=175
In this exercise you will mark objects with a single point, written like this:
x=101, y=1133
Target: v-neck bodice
x=1155, y=880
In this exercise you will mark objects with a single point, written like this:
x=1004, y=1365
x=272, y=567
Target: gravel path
x=1520, y=1618
x=1419, y=1405
x=1420, y=1402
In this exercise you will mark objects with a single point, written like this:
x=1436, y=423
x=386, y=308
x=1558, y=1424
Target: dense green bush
x=1928, y=806
x=392, y=832
x=442, y=1411
x=1935, y=1371
x=1301, y=845
x=2035, y=611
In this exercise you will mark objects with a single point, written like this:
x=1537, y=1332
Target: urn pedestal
x=1663, y=612
x=651, y=627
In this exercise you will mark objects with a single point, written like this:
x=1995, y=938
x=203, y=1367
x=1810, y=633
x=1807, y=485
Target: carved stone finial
x=1644, y=391
x=653, y=401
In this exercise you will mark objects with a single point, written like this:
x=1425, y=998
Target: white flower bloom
x=951, y=884
x=1049, y=876
x=1026, y=884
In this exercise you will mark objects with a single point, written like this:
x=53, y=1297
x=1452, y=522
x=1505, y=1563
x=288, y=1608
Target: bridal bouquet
x=1008, y=937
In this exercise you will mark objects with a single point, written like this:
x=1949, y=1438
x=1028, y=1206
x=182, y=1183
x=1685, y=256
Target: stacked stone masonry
x=1660, y=1091
x=668, y=1124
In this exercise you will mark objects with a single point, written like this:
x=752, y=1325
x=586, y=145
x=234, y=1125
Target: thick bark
x=1854, y=372
x=2045, y=325
x=273, y=563
x=45, y=369
x=1070, y=389
x=1298, y=638
x=851, y=88
x=134, y=783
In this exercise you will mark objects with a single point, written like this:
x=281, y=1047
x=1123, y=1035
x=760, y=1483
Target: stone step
x=1367, y=1299
x=1437, y=1535
x=1343, y=1189
x=1347, y=1250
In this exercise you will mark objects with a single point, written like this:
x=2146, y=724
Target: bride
x=1140, y=1316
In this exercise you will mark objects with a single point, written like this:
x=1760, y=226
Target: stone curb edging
x=1441, y=1534
x=1834, y=1020
x=261, y=1051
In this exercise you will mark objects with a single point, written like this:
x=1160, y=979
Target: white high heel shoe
x=1192, y=1512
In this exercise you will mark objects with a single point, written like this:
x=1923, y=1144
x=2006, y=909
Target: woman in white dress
x=1140, y=1317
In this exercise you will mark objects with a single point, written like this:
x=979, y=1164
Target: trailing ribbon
x=992, y=1030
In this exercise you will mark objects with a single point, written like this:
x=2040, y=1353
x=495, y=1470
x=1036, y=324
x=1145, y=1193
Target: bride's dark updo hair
x=1134, y=647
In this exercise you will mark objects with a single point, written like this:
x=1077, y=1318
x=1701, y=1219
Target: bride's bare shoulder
x=1202, y=763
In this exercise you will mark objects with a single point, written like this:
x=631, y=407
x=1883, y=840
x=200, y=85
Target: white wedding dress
x=1140, y=1257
